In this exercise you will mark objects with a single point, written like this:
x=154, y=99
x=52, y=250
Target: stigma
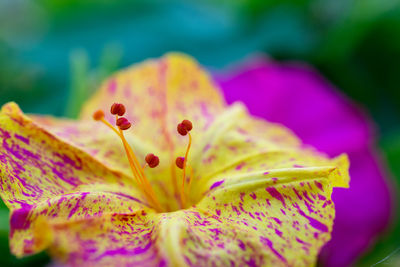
x=152, y=161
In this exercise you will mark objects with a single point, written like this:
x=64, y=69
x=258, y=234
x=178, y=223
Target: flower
x=248, y=193
x=299, y=98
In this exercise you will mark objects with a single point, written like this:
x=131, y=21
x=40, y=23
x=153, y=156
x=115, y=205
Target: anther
x=184, y=127
x=188, y=125
x=117, y=109
x=180, y=162
x=123, y=123
x=152, y=160
x=98, y=115
x=181, y=129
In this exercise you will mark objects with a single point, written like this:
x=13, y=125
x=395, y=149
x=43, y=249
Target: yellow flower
x=252, y=193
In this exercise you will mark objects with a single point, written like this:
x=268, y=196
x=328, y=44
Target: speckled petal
x=277, y=219
x=158, y=94
x=106, y=147
x=115, y=240
x=297, y=96
x=261, y=198
x=237, y=144
x=46, y=179
x=266, y=196
x=102, y=143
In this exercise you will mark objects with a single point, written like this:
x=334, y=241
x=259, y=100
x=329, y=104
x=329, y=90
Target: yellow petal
x=115, y=240
x=261, y=197
x=159, y=94
x=106, y=147
x=238, y=144
x=265, y=194
x=279, y=219
x=43, y=176
x=102, y=143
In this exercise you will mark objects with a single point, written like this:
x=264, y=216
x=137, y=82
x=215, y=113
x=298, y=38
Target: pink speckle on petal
x=266, y=242
x=275, y=194
x=216, y=184
x=112, y=86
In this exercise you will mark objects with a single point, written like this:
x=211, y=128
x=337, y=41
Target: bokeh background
x=54, y=53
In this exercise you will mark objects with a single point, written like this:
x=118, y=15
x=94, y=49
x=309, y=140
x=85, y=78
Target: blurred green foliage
x=54, y=53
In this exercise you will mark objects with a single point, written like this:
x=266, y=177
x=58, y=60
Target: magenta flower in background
x=299, y=98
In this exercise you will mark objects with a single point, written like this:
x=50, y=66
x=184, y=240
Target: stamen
x=152, y=160
x=101, y=118
x=137, y=170
x=183, y=129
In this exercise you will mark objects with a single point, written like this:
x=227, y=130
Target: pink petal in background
x=298, y=97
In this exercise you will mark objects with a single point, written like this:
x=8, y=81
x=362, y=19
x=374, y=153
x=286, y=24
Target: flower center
x=122, y=124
